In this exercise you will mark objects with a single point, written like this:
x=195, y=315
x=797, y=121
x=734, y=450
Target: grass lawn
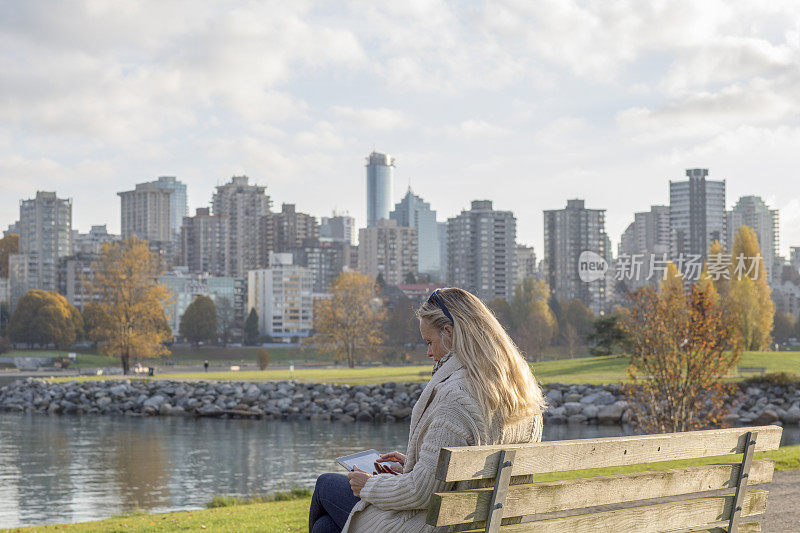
x=292, y=515
x=603, y=369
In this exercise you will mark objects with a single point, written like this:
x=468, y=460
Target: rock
x=103, y=402
x=576, y=419
x=766, y=417
x=590, y=411
x=401, y=412
x=153, y=402
x=554, y=397
x=792, y=415
x=731, y=419
x=364, y=416
x=118, y=390
x=557, y=419
x=611, y=414
x=573, y=408
x=573, y=397
x=209, y=410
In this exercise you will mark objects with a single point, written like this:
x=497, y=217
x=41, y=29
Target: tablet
x=363, y=460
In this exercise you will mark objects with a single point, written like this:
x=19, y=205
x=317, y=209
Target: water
x=73, y=469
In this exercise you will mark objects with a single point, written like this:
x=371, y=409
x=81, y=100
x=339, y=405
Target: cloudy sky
x=524, y=103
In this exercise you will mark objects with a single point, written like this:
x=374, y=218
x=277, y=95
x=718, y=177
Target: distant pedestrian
x=205, y=365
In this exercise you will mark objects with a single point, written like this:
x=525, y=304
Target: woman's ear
x=448, y=331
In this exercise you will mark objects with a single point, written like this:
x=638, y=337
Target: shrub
x=5, y=345
x=782, y=379
x=263, y=358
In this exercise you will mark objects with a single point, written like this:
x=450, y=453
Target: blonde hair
x=501, y=379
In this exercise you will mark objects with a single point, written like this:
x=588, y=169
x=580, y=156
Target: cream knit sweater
x=445, y=415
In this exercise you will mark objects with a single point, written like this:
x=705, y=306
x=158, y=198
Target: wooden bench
x=751, y=369
x=692, y=498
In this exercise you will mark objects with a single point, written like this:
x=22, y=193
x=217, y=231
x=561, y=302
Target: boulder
x=766, y=417
x=611, y=414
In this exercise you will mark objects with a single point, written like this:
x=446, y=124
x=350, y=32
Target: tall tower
x=45, y=232
x=696, y=214
x=413, y=212
x=482, y=251
x=245, y=207
x=567, y=234
x=380, y=178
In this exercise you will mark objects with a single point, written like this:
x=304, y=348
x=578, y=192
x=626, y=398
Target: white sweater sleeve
x=413, y=490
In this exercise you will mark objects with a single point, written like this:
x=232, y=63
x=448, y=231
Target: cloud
x=380, y=119
x=476, y=129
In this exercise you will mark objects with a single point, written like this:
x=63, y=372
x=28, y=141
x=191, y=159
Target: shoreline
x=752, y=404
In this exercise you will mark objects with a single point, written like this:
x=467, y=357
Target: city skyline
x=526, y=106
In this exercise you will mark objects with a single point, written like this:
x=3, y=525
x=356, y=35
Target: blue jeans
x=331, y=504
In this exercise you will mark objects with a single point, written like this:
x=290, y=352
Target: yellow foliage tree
x=350, y=322
x=129, y=315
x=749, y=298
x=43, y=318
x=533, y=321
x=8, y=245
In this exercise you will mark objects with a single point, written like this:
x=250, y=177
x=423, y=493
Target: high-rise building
x=526, y=262
x=751, y=211
x=146, y=212
x=246, y=208
x=92, y=242
x=74, y=272
x=45, y=231
x=648, y=236
x=203, y=242
x=290, y=227
x=326, y=259
x=282, y=296
x=185, y=286
x=482, y=251
x=442, y=227
x=178, y=203
x=338, y=227
x=567, y=234
x=388, y=249
x=380, y=180
x=696, y=214
x=413, y=212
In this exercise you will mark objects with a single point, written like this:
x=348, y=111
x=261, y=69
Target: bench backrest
x=719, y=496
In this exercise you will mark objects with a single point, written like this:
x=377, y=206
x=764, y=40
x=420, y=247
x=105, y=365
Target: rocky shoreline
x=753, y=404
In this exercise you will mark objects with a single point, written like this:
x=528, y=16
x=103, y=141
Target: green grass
x=360, y=375
x=603, y=369
x=291, y=514
x=272, y=517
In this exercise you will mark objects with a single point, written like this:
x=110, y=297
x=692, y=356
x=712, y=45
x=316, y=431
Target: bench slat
x=698, y=514
x=470, y=462
x=461, y=507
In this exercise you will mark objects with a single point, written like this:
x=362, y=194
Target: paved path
x=783, y=503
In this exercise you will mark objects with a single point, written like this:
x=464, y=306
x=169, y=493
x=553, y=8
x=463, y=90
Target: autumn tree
x=783, y=326
x=608, y=335
x=749, y=299
x=262, y=358
x=402, y=326
x=130, y=318
x=199, y=321
x=8, y=245
x=43, y=318
x=681, y=345
x=502, y=311
x=251, y=328
x=350, y=322
x=534, y=324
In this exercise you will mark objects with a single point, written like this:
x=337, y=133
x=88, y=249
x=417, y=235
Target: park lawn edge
x=292, y=515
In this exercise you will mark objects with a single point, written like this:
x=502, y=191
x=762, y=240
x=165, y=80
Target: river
x=72, y=469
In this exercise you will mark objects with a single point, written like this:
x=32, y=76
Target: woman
x=482, y=392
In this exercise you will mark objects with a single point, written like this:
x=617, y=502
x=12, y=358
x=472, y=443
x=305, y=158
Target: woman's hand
x=358, y=478
x=394, y=457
